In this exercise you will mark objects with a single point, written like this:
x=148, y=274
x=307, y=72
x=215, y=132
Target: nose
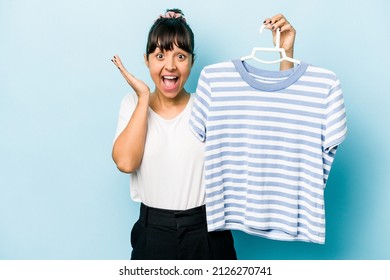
x=170, y=63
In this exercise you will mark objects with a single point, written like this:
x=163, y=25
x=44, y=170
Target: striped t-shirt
x=271, y=138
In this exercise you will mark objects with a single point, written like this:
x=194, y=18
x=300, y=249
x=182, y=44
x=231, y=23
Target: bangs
x=168, y=32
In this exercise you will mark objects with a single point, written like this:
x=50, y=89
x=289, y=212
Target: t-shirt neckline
x=290, y=76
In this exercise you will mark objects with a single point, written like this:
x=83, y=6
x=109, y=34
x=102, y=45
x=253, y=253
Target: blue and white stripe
x=271, y=138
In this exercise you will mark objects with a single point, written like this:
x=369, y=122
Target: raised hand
x=138, y=85
x=287, y=32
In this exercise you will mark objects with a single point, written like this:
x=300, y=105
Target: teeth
x=170, y=77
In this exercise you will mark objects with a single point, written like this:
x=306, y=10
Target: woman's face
x=169, y=70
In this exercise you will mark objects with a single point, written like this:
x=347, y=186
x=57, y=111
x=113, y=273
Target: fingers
x=287, y=27
x=139, y=86
x=278, y=22
x=117, y=61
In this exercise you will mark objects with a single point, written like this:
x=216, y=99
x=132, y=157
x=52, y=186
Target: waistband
x=172, y=218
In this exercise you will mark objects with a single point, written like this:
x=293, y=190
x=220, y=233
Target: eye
x=160, y=56
x=181, y=56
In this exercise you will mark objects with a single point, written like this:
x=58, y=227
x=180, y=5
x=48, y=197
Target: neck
x=166, y=101
x=168, y=107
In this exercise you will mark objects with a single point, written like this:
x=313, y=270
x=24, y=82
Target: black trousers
x=161, y=234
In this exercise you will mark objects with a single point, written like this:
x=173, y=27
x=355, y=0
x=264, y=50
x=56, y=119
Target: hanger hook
x=277, y=42
x=262, y=28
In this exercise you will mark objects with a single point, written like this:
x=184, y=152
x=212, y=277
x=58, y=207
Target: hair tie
x=172, y=14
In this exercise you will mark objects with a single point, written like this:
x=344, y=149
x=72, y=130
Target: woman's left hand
x=287, y=32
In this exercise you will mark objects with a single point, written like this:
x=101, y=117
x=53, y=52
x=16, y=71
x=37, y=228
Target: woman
x=154, y=143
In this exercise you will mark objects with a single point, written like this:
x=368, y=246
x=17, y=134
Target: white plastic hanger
x=277, y=48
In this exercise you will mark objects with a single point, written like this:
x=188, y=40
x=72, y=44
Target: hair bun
x=173, y=13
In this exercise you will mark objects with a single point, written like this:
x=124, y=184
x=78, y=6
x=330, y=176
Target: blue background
x=61, y=196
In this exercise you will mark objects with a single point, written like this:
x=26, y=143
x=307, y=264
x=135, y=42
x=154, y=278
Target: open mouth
x=170, y=81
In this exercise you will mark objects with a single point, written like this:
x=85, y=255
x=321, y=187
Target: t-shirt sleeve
x=126, y=110
x=335, y=126
x=200, y=109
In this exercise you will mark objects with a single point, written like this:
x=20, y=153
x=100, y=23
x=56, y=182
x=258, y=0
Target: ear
x=146, y=60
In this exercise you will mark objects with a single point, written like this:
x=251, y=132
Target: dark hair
x=167, y=31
